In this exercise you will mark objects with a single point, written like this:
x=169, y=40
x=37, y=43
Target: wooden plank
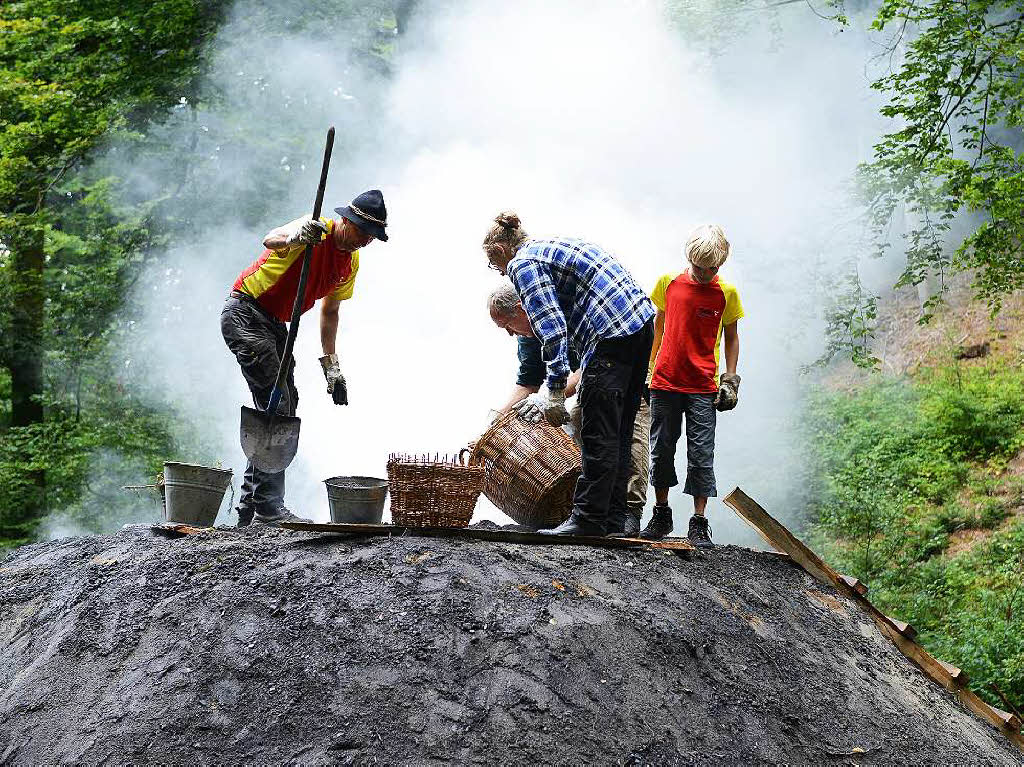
x=178, y=530
x=950, y=677
x=777, y=536
x=957, y=675
x=937, y=671
x=677, y=544
x=904, y=628
x=855, y=584
x=474, y=533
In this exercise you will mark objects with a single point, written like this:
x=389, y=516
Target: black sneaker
x=660, y=524
x=244, y=517
x=699, y=532
x=574, y=525
x=632, y=527
x=276, y=518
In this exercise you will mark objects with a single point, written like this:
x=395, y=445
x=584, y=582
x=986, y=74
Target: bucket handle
x=462, y=453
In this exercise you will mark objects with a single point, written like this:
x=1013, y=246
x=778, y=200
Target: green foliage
x=959, y=99
x=850, y=314
x=66, y=451
x=899, y=466
x=953, y=164
x=92, y=92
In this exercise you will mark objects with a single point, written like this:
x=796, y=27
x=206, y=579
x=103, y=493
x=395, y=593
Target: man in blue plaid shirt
x=566, y=291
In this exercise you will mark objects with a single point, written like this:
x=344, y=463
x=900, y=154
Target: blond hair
x=707, y=247
x=507, y=232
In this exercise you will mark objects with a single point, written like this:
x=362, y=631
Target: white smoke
x=595, y=119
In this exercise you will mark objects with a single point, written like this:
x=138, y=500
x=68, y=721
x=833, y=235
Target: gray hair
x=504, y=301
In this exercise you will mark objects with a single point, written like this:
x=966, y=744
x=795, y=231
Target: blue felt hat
x=367, y=211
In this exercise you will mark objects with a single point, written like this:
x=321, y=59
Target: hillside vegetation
x=919, y=488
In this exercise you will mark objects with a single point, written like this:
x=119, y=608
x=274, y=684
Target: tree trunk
x=25, y=350
x=26, y=328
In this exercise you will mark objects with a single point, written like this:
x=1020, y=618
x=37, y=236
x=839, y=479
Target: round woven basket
x=531, y=470
x=433, y=492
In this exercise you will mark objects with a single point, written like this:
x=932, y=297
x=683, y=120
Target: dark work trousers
x=610, y=392
x=257, y=340
x=667, y=411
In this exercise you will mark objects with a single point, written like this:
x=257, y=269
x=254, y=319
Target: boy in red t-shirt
x=695, y=310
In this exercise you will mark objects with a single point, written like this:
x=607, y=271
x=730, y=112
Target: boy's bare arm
x=732, y=348
x=659, y=332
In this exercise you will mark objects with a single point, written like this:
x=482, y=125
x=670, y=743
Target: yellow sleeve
x=658, y=294
x=343, y=292
x=733, y=306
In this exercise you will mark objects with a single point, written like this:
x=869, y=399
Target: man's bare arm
x=329, y=324
x=277, y=239
x=519, y=393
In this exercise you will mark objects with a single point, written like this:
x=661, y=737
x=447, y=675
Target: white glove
x=310, y=232
x=336, y=385
x=548, y=404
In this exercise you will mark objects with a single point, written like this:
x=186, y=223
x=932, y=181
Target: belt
x=250, y=300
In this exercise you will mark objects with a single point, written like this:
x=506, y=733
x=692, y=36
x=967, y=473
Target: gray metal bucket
x=357, y=500
x=193, y=494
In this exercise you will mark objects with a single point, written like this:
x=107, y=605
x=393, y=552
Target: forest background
x=913, y=477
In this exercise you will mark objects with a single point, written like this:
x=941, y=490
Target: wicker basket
x=433, y=492
x=532, y=470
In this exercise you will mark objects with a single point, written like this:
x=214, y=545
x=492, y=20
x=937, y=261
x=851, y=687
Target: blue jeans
x=667, y=411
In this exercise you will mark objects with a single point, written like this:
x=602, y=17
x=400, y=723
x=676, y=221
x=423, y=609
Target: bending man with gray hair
x=569, y=292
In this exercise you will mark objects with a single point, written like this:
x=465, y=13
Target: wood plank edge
x=941, y=673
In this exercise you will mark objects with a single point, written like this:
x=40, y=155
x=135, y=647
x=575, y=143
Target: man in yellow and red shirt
x=696, y=310
x=254, y=316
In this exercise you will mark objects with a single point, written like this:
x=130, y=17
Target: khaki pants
x=640, y=459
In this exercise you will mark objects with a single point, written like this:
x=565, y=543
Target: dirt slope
x=277, y=647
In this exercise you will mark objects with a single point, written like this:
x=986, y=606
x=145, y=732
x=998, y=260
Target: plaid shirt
x=574, y=292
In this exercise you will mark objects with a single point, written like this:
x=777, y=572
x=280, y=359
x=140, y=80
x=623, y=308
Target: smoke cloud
x=598, y=119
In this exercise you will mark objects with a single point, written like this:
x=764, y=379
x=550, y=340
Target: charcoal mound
x=271, y=647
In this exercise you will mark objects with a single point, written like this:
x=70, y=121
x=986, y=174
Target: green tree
x=70, y=74
x=955, y=162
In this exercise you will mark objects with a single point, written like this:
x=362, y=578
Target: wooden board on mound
x=484, y=534
x=899, y=633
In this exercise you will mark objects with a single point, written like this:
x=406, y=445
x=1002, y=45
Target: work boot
x=574, y=526
x=660, y=524
x=277, y=517
x=700, y=532
x=632, y=527
x=244, y=517
x=616, y=527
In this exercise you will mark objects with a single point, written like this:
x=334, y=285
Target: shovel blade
x=269, y=443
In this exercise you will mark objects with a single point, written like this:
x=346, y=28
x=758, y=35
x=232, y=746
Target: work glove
x=310, y=232
x=548, y=404
x=336, y=385
x=728, y=392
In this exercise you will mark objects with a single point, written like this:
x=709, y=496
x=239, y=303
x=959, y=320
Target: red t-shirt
x=273, y=278
x=695, y=314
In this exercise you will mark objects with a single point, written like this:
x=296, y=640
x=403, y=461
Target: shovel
x=269, y=439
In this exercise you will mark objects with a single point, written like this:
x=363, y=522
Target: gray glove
x=310, y=232
x=336, y=385
x=728, y=392
x=548, y=404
